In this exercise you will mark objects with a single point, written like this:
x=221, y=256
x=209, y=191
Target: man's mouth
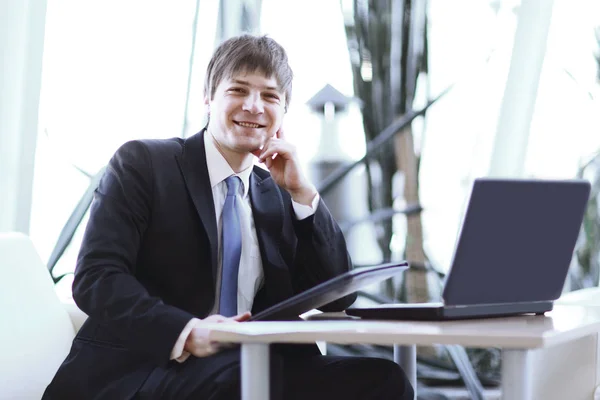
x=248, y=124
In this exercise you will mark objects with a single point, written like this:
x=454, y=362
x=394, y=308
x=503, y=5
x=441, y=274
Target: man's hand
x=197, y=342
x=280, y=158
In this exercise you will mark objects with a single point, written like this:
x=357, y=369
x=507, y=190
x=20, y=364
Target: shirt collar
x=219, y=169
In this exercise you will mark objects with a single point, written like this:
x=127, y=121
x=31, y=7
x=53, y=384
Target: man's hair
x=248, y=53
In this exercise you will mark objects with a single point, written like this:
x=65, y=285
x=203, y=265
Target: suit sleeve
x=321, y=254
x=104, y=286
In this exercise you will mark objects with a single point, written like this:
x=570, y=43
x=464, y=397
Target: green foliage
x=387, y=41
x=585, y=268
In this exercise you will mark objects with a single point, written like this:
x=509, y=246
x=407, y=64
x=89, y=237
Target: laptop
x=512, y=255
x=329, y=291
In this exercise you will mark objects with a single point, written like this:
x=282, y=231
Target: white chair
x=36, y=328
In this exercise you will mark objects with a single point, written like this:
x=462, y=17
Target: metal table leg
x=406, y=357
x=517, y=374
x=255, y=371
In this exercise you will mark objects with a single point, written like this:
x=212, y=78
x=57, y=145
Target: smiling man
x=188, y=231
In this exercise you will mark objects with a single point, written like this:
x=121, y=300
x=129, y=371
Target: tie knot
x=233, y=183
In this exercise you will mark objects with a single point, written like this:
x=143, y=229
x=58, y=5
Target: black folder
x=329, y=291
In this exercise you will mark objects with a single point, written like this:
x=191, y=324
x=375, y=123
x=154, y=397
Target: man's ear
x=207, y=104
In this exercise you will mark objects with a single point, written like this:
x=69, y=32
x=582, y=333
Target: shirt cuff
x=303, y=211
x=178, y=354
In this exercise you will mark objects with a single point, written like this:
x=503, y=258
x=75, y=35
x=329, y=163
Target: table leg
x=406, y=357
x=255, y=371
x=517, y=374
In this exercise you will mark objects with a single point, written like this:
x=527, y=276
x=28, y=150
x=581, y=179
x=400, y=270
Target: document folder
x=329, y=291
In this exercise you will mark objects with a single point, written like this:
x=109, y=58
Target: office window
x=113, y=71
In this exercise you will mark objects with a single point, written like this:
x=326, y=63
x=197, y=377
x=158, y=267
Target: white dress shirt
x=251, y=276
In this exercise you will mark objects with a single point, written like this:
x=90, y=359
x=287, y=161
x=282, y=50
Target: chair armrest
x=77, y=316
x=63, y=292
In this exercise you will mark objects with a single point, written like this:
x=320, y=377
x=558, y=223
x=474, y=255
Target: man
x=187, y=231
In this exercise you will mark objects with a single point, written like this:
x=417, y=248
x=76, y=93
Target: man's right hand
x=197, y=342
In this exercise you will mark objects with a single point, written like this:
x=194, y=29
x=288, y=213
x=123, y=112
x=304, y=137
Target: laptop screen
x=516, y=241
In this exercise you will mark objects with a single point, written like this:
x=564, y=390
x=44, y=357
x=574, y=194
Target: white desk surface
x=564, y=323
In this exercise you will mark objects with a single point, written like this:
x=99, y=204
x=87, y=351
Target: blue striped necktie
x=231, y=243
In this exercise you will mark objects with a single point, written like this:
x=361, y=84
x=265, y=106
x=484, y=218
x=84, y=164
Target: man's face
x=246, y=110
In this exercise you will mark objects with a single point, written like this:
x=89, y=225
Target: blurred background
x=397, y=106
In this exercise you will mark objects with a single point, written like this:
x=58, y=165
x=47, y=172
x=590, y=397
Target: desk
x=517, y=336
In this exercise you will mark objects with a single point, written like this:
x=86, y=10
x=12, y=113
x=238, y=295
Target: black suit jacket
x=148, y=262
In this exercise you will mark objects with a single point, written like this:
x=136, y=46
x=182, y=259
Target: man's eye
x=236, y=90
x=272, y=96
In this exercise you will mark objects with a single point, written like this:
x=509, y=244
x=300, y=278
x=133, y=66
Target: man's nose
x=253, y=104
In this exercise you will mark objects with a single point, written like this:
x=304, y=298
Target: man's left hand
x=281, y=159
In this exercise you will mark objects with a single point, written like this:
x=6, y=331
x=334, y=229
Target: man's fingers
x=268, y=162
x=242, y=317
x=215, y=318
x=279, y=148
x=256, y=152
x=266, y=150
x=259, y=152
x=207, y=350
x=200, y=345
x=280, y=133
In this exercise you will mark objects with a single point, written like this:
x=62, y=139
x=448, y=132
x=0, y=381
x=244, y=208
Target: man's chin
x=253, y=147
x=252, y=143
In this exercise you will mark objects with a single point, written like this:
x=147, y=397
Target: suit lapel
x=267, y=210
x=268, y=213
x=192, y=163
